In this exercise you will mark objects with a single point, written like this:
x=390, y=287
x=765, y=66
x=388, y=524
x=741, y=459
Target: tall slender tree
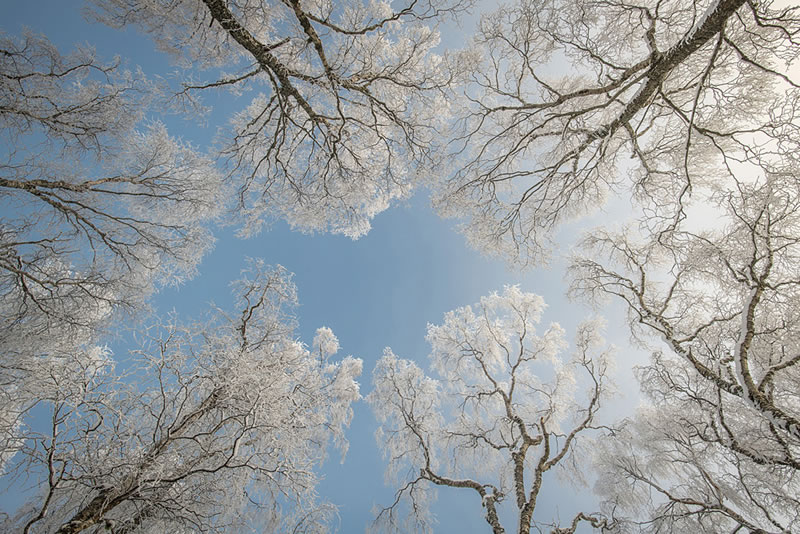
x=505, y=412
x=96, y=209
x=720, y=449
x=217, y=426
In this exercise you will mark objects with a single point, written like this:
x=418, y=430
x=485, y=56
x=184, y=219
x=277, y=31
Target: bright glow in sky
x=379, y=291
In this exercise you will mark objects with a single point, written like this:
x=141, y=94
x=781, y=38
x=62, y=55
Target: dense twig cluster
x=690, y=109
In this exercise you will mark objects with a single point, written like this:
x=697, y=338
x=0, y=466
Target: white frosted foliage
x=219, y=425
x=507, y=405
x=717, y=444
x=344, y=114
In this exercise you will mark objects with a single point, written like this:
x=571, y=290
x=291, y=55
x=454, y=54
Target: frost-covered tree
x=576, y=100
x=720, y=450
x=349, y=96
x=216, y=426
x=95, y=208
x=507, y=409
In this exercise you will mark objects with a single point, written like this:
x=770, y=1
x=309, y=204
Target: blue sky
x=379, y=291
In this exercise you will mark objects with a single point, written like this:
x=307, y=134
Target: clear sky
x=379, y=291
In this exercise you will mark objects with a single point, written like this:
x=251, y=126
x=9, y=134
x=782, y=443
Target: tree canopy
x=350, y=102
x=575, y=101
x=724, y=303
x=506, y=409
x=212, y=427
x=684, y=112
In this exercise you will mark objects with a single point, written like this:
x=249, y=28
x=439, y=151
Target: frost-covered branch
x=208, y=430
x=575, y=101
x=504, y=412
x=97, y=210
x=348, y=98
x=723, y=302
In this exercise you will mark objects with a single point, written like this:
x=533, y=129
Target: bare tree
x=94, y=212
x=213, y=427
x=722, y=450
x=574, y=95
x=351, y=96
x=505, y=412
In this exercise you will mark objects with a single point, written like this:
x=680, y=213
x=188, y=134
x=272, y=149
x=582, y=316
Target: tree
x=350, y=97
x=572, y=96
x=78, y=176
x=97, y=209
x=722, y=450
x=504, y=413
x=213, y=427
